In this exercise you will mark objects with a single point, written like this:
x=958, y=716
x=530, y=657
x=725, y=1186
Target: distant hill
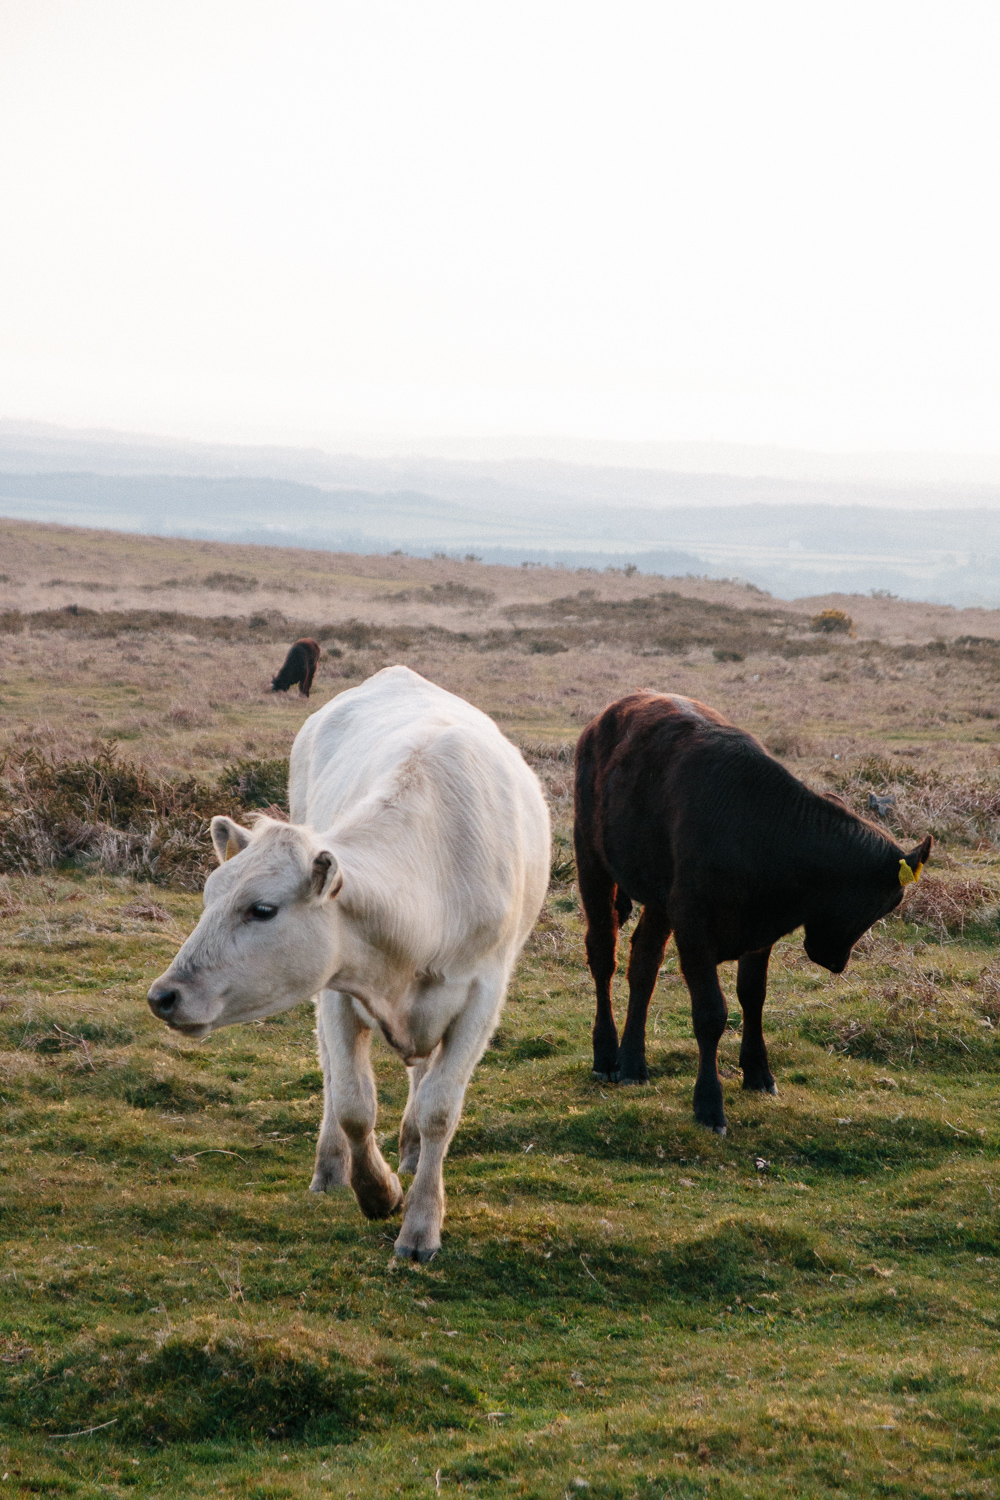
x=791, y=537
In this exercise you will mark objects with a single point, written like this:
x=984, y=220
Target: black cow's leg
x=597, y=893
x=648, y=942
x=751, y=988
x=708, y=1012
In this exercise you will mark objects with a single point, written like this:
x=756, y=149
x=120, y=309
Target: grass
x=807, y=1307
x=625, y=1306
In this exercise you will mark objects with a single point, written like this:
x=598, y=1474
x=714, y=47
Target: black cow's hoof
x=765, y=1086
x=599, y=1077
x=623, y=1080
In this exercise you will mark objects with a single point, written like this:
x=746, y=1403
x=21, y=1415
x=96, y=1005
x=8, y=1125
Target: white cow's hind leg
x=333, y=1151
x=347, y=1137
x=437, y=1108
x=409, y=1131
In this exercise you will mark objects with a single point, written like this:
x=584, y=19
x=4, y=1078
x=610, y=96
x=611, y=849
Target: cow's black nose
x=163, y=1003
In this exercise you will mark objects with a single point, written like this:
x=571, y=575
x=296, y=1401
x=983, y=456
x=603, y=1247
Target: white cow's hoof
x=377, y=1200
x=411, y=1252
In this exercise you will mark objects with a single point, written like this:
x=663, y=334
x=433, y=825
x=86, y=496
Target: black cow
x=299, y=667
x=683, y=813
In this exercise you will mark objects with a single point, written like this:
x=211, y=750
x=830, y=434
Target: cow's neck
x=366, y=970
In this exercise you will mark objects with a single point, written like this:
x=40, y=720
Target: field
x=625, y=1305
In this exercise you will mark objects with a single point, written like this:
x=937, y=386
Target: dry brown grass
x=170, y=646
x=48, y=566
x=948, y=905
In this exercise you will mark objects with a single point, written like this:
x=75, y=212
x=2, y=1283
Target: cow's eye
x=261, y=912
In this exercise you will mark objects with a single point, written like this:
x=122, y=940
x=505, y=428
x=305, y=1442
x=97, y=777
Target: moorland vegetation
x=625, y=1305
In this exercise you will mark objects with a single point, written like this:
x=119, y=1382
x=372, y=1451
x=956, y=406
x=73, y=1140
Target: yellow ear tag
x=233, y=848
x=906, y=875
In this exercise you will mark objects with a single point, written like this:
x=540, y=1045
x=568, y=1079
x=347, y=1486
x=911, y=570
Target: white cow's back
x=424, y=797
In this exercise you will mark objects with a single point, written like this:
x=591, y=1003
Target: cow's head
x=265, y=941
x=844, y=915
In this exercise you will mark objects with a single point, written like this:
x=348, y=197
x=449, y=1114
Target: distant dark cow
x=683, y=813
x=299, y=667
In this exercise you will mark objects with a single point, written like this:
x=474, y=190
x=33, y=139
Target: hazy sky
x=759, y=222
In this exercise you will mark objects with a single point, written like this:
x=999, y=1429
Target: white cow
x=399, y=895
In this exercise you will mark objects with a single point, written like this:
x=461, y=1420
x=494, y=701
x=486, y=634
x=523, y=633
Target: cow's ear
x=229, y=838
x=326, y=876
x=911, y=864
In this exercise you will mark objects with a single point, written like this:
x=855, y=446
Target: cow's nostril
x=163, y=1003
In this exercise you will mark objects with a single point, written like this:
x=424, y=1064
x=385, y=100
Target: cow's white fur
x=439, y=837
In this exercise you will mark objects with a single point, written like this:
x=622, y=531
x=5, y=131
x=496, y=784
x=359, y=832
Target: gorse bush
x=104, y=812
x=832, y=622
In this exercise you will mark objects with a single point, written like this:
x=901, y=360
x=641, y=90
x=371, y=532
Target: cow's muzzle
x=163, y=1001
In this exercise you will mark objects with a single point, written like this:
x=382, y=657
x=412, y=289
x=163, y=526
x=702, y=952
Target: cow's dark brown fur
x=299, y=667
x=682, y=813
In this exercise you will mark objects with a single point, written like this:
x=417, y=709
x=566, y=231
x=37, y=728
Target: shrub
x=947, y=905
x=115, y=814
x=444, y=593
x=257, y=783
x=963, y=807
x=232, y=583
x=830, y=621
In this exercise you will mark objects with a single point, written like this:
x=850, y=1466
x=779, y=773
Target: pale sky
x=754, y=222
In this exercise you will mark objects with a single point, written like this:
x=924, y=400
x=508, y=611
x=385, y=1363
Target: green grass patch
x=624, y=1306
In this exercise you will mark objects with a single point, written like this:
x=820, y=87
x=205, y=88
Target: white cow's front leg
x=436, y=1109
x=347, y=1152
